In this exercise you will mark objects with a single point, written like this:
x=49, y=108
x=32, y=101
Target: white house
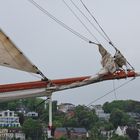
x=121, y=131
x=9, y=119
x=32, y=114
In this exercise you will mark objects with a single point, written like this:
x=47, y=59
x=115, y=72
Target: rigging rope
x=88, y=20
x=61, y=23
x=96, y=21
x=125, y=83
x=109, y=40
x=72, y=30
x=115, y=94
x=80, y=21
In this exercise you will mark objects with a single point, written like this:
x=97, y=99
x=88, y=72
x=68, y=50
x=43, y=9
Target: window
x=10, y=113
x=5, y=113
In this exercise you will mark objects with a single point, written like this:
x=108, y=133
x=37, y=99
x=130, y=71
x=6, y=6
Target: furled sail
x=11, y=56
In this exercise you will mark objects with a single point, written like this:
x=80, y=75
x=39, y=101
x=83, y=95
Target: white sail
x=11, y=56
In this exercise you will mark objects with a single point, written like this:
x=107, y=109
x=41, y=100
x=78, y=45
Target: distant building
x=107, y=134
x=60, y=132
x=121, y=130
x=22, y=110
x=100, y=113
x=32, y=114
x=79, y=133
x=11, y=133
x=9, y=119
x=72, y=133
x=66, y=107
x=135, y=116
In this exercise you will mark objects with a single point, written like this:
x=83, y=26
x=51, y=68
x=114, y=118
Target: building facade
x=100, y=113
x=9, y=119
x=66, y=107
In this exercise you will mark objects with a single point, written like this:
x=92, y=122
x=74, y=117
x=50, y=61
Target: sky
x=60, y=54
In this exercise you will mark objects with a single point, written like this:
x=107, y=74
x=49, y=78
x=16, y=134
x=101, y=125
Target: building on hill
x=135, y=116
x=100, y=112
x=121, y=130
x=72, y=133
x=65, y=107
x=9, y=119
x=60, y=132
x=32, y=114
x=78, y=133
x=11, y=133
x=22, y=110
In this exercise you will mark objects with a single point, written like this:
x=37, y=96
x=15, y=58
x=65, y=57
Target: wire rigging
x=115, y=94
x=72, y=30
x=80, y=21
x=109, y=40
x=61, y=23
x=41, y=103
x=125, y=83
x=88, y=20
x=96, y=21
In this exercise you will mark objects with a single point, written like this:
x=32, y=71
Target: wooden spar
x=63, y=82
x=39, y=84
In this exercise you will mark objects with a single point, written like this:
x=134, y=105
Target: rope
x=60, y=22
x=115, y=94
x=70, y=29
x=125, y=83
x=80, y=21
x=109, y=40
x=95, y=21
x=88, y=20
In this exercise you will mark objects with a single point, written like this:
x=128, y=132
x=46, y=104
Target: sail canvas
x=12, y=57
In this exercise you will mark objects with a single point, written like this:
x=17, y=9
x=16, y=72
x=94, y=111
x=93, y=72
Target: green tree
x=83, y=117
x=118, y=117
x=12, y=105
x=116, y=137
x=21, y=118
x=126, y=106
x=32, y=129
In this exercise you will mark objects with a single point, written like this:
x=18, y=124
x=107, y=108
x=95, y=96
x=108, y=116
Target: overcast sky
x=60, y=54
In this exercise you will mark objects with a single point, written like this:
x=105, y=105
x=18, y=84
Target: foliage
x=81, y=116
x=95, y=134
x=63, y=138
x=132, y=133
x=116, y=137
x=118, y=118
x=84, y=117
x=126, y=106
x=32, y=129
x=28, y=103
x=9, y=105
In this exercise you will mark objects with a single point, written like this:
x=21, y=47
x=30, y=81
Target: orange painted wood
x=60, y=82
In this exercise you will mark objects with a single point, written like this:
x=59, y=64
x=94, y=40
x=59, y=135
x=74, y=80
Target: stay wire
x=41, y=103
x=109, y=40
x=115, y=94
x=80, y=21
x=96, y=21
x=125, y=83
x=61, y=23
x=88, y=20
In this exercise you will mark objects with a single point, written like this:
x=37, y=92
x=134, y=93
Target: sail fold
x=12, y=57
